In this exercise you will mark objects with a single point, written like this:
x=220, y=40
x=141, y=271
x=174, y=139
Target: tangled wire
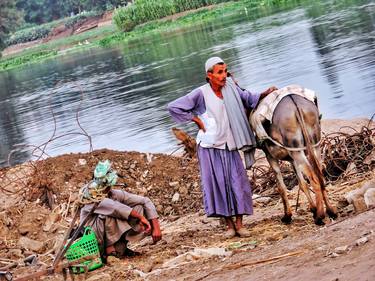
x=19, y=179
x=345, y=156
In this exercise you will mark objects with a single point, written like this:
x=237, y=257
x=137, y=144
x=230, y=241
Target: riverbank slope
x=37, y=205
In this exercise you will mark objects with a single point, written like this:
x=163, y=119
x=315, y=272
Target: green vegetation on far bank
x=126, y=18
x=107, y=36
x=10, y=63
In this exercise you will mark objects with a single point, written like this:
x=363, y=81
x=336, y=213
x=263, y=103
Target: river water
x=122, y=92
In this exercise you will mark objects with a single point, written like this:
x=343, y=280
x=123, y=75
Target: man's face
x=218, y=76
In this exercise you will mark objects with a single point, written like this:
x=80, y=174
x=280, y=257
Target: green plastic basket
x=87, y=245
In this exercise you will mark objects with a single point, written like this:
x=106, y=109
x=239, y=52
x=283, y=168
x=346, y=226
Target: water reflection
x=323, y=45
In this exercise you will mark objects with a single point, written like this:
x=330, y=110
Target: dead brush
x=345, y=157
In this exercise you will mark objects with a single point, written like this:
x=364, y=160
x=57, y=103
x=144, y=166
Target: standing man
x=219, y=110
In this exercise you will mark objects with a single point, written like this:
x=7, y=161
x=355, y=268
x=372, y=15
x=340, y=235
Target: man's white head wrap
x=211, y=62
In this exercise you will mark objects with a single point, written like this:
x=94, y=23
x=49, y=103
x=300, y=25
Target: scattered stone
x=168, y=210
x=51, y=220
x=197, y=253
x=30, y=260
x=25, y=228
x=58, y=240
x=112, y=260
x=183, y=190
x=173, y=183
x=205, y=221
x=148, y=267
x=132, y=166
x=361, y=241
x=363, y=197
x=100, y=277
x=262, y=199
x=333, y=255
x=30, y=244
x=176, y=197
x=140, y=273
x=341, y=250
x=82, y=162
x=351, y=169
x=149, y=157
x=16, y=253
x=6, y=219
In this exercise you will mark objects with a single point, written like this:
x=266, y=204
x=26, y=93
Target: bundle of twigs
x=348, y=156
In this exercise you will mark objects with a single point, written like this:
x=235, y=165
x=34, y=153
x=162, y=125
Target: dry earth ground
x=342, y=250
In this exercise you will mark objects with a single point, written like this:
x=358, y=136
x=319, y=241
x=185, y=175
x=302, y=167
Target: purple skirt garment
x=226, y=187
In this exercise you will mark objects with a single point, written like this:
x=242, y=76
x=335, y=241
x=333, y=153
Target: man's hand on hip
x=199, y=123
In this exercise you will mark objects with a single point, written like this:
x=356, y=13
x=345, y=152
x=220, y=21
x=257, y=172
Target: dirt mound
x=157, y=176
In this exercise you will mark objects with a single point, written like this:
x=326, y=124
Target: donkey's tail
x=310, y=152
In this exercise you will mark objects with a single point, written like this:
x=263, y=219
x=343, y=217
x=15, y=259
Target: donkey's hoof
x=319, y=221
x=286, y=219
x=313, y=210
x=332, y=214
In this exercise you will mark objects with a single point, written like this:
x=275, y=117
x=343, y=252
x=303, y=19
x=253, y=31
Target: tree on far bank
x=9, y=20
x=42, y=11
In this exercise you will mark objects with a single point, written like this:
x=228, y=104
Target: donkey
x=294, y=135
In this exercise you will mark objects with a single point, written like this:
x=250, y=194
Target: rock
x=168, y=210
x=31, y=260
x=361, y=241
x=362, y=197
x=333, y=255
x=149, y=157
x=82, y=162
x=197, y=253
x=112, y=260
x=6, y=219
x=25, y=228
x=100, y=277
x=148, y=267
x=369, y=197
x=173, y=183
x=132, y=166
x=145, y=173
x=58, y=240
x=261, y=199
x=351, y=169
x=30, y=244
x=176, y=197
x=16, y=253
x=341, y=250
x=51, y=220
x=183, y=190
x=205, y=221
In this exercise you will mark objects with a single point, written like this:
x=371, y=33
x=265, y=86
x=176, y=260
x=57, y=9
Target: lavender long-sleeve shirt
x=186, y=107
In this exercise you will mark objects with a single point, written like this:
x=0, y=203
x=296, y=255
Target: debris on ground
x=36, y=208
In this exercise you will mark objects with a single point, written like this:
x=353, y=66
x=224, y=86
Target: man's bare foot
x=229, y=233
x=243, y=232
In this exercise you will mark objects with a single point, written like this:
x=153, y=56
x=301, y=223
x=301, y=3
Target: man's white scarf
x=239, y=123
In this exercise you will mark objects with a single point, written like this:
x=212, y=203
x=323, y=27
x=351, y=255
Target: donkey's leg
x=314, y=181
x=281, y=188
x=299, y=166
x=331, y=210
